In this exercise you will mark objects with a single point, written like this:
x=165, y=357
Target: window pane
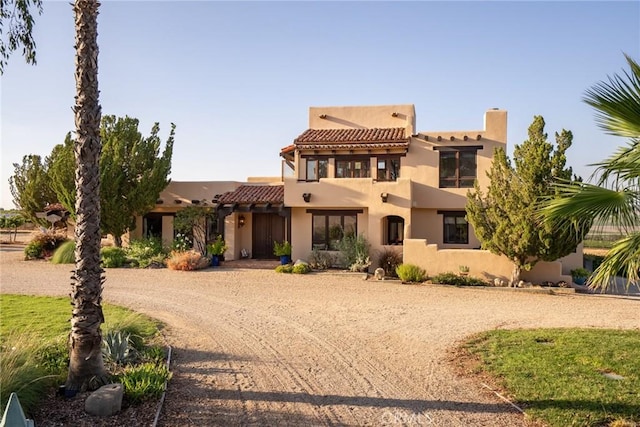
x=350, y=225
x=467, y=164
x=456, y=229
x=394, y=169
x=335, y=231
x=447, y=164
x=342, y=169
x=312, y=170
x=319, y=231
x=323, y=166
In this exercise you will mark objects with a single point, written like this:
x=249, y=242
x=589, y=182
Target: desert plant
x=187, y=261
x=153, y=354
x=145, y=252
x=65, y=254
x=144, y=381
x=361, y=263
x=117, y=348
x=287, y=268
x=463, y=268
x=389, y=260
x=352, y=247
x=113, y=257
x=321, y=260
x=302, y=268
x=411, y=273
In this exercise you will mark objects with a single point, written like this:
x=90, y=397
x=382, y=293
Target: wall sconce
x=306, y=197
x=384, y=197
x=241, y=221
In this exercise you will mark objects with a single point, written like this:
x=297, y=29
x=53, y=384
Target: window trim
x=317, y=159
x=457, y=179
x=393, y=219
x=328, y=213
x=352, y=158
x=455, y=214
x=387, y=158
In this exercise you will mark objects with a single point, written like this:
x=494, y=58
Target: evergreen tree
x=31, y=187
x=505, y=219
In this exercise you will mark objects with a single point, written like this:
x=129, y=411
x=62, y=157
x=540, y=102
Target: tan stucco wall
x=481, y=263
x=373, y=116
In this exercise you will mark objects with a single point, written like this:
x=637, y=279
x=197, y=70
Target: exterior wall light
x=241, y=221
x=384, y=197
x=306, y=197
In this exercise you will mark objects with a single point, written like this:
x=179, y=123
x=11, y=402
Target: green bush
x=302, y=268
x=287, y=268
x=54, y=357
x=146, y=252
x=411, y=273
x=456, y=280
x=33, y=250
x=113, y=257
x=65, y=254
x=144, y=381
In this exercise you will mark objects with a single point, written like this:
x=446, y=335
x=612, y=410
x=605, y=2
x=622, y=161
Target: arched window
x=393, y=230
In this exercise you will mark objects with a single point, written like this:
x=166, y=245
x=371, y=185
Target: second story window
x=316, y=168
x=457, y=168
x=352, y=167
x=388, y=168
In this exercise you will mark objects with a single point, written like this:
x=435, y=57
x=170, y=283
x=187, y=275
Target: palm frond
x=581, y=202
x=624, y=165
x=622, y=259
x=617, y=102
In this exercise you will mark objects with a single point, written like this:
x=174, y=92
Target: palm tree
x=615, y=196
x=86, y=367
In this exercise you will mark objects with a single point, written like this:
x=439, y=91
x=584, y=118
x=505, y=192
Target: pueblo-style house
x=363, y=170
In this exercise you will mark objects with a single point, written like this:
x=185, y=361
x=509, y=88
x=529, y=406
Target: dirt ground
x=253, y=347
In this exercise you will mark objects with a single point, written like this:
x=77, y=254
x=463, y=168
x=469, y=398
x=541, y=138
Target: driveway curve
x=253, y=347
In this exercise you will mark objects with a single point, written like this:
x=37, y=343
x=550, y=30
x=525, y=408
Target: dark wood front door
x=267, y=228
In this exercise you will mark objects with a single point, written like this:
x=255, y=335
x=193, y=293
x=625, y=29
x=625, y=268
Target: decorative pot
x=285, y=259
x=215, y=260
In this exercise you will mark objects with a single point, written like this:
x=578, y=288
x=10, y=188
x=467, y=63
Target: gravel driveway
x=253, y=347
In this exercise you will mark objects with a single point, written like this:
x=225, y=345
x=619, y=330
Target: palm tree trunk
x=86, y=367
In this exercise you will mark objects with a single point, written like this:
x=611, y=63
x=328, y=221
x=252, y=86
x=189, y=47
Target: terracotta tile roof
x=338, y=136
x=254, y=194
x=349, y=139
x=54, y=207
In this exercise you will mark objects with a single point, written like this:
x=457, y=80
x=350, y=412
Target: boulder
x=105, y=401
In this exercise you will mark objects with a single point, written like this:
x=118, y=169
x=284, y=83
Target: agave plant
x=117, y=347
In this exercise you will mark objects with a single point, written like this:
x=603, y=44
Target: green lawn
x=557, y=375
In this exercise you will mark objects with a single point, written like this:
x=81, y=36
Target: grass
x=556, y=375
x=598, y=244
x=33, y=334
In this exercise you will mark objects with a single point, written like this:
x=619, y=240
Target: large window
x=394, y=226
x=317, y=168
x=330, y=227
x=388, y=168
x=352, y=167
x=456, y=228
x=457, y=168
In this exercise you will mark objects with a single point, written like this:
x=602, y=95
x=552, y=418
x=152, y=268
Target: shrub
x=352, y=248
x=182, y=242
x=389, y=260
x=187, y=261
x=302, y=268
x=457, y=280
x=65, y=254
x=321, y=260
x=144, y=381
x=287, y=268
x=145, y=252
x=33, y=250
x=411, y=273
x=54, y=357
x=113, y=257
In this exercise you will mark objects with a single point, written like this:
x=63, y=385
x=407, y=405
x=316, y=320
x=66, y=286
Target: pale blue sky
x=237, y=78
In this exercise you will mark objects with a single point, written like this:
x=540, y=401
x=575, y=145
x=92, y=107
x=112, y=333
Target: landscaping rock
x=105, y=401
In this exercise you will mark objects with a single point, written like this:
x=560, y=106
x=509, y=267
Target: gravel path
x=253, y=347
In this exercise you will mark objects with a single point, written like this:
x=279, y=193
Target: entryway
x=267, y=228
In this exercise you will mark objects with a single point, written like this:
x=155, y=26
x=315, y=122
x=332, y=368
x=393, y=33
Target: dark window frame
x=325, y=243
x=458, y=180
x=399, y=222
x=388, y=172
x=317, y=159
x=352, y=159
x=462, y=234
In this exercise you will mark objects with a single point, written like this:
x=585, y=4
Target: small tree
x=31, y=187
x=505, y=218
x=16, y=21
x=192, y=221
